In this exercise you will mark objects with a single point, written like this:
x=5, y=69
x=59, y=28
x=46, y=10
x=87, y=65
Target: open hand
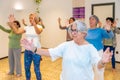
x=28, y=45
x=107, y=55
x=11, y=18
x=107, y=27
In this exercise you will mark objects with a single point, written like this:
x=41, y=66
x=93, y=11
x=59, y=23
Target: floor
x=51, y=70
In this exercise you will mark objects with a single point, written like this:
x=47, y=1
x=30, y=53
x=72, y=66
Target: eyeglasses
x=74, y=30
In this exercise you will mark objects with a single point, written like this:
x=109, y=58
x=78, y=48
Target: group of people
x=31, y=33
x=83, y=54
x=101, y=38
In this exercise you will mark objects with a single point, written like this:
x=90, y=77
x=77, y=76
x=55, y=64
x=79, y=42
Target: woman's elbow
x=17, y=32
x=39, y=31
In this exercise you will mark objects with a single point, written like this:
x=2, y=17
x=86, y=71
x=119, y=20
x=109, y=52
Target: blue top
x=95, y=36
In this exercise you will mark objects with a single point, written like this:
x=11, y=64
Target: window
x=79, y=12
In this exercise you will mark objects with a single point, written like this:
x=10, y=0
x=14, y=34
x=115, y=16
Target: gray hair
x=96, y=18
x=81, y=26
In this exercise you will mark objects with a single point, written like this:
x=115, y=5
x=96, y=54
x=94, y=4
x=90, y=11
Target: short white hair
x=81, y=26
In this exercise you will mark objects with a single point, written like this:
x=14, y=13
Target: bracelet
x=108, y=31
x=102, y=64
x=35, y=50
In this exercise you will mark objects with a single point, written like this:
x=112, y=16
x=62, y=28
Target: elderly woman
x=78, y=55
x=95, y=36
x=14, y=51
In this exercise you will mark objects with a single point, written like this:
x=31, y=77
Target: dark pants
x=28, y=58
x=113, y=56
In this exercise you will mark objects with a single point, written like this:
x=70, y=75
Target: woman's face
x=109, y=22
x=31, y=18
x=71, y=21
x=74, y=30
x=75, y=33
x=92, y=22
x=17, y=25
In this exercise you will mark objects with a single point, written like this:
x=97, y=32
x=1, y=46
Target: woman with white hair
x=95, y=36
x=78, y=55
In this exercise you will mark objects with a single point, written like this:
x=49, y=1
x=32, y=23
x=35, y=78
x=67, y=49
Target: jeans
x=28, y=58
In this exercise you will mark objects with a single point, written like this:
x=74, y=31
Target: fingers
x=107, y=55
x=111, y=52
x=11, y=18
x=23, y=40
x=107, y=50
x=59, y=20
x=11, y=15
x=23, y=21
x=26, y=42
x=107, y=26
x=110, y=55
x=23, y=43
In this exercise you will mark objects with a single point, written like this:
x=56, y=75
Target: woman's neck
x=93, y=27
x=81, y=42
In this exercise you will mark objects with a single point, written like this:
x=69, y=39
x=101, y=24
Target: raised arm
x=41, y=23
x=60, y=26
x=23, y=21
x=4, y=29
x=17, y=31
x=116, y=28
x=35, y=24
x=13, y=26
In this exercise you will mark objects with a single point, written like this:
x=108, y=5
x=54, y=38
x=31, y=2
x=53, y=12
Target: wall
x=78, y=3
x=50, y=10
x=88, y=4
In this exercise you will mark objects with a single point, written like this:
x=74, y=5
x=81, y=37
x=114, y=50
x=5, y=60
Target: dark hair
x=72, y=18
x=17, y=22
x=110, y=18
x=40, y=19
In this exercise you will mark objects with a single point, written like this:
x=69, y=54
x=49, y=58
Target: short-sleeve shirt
x=31, y=34
x=77, y=60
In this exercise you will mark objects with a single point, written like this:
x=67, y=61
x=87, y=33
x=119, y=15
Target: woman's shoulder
x=91, y=46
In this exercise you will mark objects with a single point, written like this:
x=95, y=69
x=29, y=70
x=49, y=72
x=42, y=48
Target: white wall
x=78, y=3
x=6, y=8
x=50, y=10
